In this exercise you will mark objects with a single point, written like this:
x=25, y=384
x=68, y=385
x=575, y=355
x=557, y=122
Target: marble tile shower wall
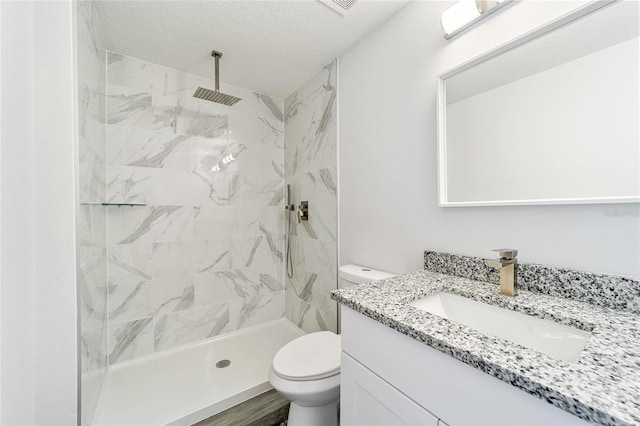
x=91, y=223
x=310, y=169
x=204, y=256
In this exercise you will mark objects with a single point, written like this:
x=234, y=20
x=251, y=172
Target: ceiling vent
x=340, y=6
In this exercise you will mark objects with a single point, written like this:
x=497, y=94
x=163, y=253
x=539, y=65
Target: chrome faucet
x=506, y=264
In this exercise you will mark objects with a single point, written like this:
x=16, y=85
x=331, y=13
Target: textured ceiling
x=272, y=47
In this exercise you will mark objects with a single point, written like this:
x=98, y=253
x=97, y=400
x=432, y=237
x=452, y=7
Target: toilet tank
x=356, y=274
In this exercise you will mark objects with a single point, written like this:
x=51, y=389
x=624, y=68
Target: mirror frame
x=441, y=107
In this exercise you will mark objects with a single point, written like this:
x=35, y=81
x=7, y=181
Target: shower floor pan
x=183, y=386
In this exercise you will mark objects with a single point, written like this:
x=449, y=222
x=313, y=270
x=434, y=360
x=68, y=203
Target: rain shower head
x=216, y=95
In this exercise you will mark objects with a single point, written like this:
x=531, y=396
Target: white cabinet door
x=367, y=400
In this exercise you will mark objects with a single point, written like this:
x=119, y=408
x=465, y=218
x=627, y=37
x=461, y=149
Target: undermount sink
x=559, y=341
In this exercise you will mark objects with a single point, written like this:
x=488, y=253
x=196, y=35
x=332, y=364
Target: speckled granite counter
x=602, y=386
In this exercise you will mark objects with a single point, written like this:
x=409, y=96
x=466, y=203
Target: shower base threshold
x=183, y=386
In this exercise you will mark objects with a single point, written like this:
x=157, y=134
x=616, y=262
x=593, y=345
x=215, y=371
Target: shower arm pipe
x=217, y=55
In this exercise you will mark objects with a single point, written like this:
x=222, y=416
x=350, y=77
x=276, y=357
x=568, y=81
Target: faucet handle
x=507, y=253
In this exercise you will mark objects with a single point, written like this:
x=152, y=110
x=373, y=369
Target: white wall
x=39, y=336
x=388, y=193
x=56, y=334
x=16, y=217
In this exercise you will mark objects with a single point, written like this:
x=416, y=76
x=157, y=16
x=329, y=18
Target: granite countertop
x=602, y=386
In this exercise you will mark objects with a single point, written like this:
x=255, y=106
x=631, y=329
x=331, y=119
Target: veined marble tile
x=270, y=107
x=208, y=255
x=129, y=184
x=254, y=251
x=271, y=276
x=211, y=288
x=311, y=123
x=310, y=169
x=128, y=302
x=256, y=130
x=257, y=309
x=319, y=85
x=212, y=221
x=130, y=263
x=153, y=112
x=88, y=28
x=170, y=259
x=257, y=221
x=201, y=120
x=304, y=315
x=217, y=186
x=139, y=147
x=130, y=340
x=208, y=153
x=246, y=160
x=314, y=255
x=204, y=189
x=150, y=298
x=257, y=190
x=91, y=225
x=315, y=289
x=322, y=223
x=144, y=76
x=92, y=182
x=188, y=326
x=273, y=282
x=92, y=277
x=93, y=352
x=312, y=154
x=130, y=109
x=144, y=224
x=319, y=186
x=132, y=146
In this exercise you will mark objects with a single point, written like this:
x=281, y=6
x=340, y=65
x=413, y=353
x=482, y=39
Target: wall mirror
x=549, y=118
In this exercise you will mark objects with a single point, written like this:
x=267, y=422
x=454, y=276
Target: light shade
x=459, y=15
x=464, y=13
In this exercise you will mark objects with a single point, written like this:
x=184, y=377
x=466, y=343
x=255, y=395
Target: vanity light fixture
x=466, y=13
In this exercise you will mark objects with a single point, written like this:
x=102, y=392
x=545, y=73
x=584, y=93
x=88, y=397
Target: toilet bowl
x=306, y=371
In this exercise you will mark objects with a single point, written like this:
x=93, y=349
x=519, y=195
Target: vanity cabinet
x=374, y=402
x=388, y=378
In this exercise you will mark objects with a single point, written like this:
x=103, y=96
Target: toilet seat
x=310, y=357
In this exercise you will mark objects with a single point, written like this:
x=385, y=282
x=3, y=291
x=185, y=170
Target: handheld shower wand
x=290, y=208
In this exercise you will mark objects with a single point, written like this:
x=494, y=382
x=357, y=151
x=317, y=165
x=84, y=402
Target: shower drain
x=223, y=363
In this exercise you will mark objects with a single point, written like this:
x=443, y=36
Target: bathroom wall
x=38, y=312
x=204, y=255
x=17, y=201
x=311, y=170
x=92, y=216
x=388, y=192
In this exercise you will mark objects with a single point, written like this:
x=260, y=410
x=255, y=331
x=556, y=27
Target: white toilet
x=307, y=370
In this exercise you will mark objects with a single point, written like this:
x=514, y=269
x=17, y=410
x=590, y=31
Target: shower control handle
x=303, y=211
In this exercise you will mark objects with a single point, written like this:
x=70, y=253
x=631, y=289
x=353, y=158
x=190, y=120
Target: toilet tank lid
x=362, y=274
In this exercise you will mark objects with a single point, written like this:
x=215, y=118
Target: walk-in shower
x=191, y=271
